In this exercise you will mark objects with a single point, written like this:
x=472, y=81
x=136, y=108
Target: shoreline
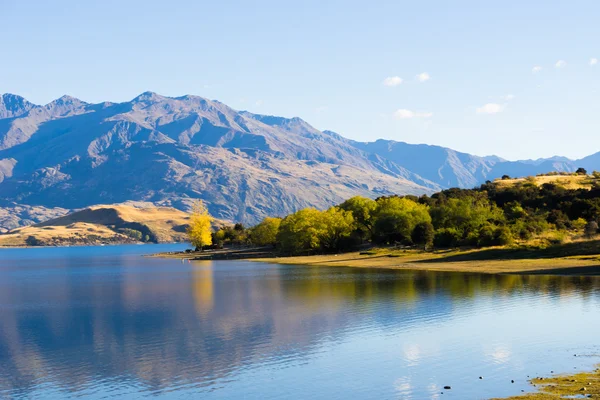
x=561, y=386
x=579, y=266
x=576, y=259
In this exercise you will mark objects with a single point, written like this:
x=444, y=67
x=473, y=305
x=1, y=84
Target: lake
x=104, y=322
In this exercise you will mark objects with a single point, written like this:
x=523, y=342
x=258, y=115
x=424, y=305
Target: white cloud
x=490, y=108
x=392, y=81
x=508, y=97
x=321, y=109
x=258, y=103
x=593, y=61
x=407, y=114
x=536, y=69
x=560, y=64
x=423, y=77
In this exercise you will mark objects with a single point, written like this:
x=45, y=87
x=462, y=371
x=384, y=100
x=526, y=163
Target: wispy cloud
x=593, y=61
x=423, y=77
x=508, y=97
x=560, y=64
x=408, y=114
x=258, y=103
x=490, y=108
x=392, y=81
x=321, y=109
x=536, y=69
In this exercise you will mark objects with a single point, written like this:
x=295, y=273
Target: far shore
x=578, y=259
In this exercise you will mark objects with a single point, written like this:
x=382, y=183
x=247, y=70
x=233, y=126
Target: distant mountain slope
x=245, y=166
x=104, y=224
x=450, y=168
x=15, y=215
x=441, y=165
x=71, y=154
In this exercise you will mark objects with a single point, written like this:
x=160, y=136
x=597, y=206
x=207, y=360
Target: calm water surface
x=103, y=323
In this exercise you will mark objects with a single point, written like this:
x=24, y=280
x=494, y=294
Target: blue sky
x=466, y=67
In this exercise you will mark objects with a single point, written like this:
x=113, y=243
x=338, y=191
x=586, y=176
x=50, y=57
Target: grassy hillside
x=104, y=224
x=567, y=181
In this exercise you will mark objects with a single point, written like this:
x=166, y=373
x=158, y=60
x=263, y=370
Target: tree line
x=490, y=215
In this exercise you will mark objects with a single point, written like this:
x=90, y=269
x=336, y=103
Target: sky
x=517, y=79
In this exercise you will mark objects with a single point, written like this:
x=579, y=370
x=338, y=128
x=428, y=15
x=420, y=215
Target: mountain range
x=69, y=154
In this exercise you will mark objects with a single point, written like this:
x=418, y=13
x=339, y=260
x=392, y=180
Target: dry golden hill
x=120, y=223
x=568, y=181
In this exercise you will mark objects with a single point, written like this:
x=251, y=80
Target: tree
x=423, y=234
x=467, y=214
x=581, y=171
x=300, y=231
x=396, y=218
x=334, y=226
x=362, y=210
x=199, y=231
x=591, y=229
x=265, y=233
x=505, y=177
x=33, y=241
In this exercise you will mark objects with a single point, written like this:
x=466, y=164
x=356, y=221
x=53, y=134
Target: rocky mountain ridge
x=70, y=154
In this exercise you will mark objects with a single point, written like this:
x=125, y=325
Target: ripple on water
x=116, y=325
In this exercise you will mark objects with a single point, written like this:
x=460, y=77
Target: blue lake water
x=104, y=322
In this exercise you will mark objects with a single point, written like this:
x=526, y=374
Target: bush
x=591, y=229
x=132, y=233
x=447, y=237
x=33, y=241
x=503, y=236
x=423, y=234
x=486, y=236
x=581, y=171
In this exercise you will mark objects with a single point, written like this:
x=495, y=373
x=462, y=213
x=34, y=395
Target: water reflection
x=126, y=326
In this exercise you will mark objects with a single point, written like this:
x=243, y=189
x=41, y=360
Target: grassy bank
x=578, y=258
x=582, y=385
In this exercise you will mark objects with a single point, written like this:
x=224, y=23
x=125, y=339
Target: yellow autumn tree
x=199, y=230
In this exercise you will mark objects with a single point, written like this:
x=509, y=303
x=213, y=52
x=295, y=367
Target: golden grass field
x=566, y=181
x=582, y=257
x=99, y=224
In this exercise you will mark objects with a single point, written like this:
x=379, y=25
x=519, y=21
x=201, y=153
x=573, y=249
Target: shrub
x=503, y=236
x=33, y=241
x=132, y=233
x=591, y=229
x=486, y=235
x=423, y=234
x=447, y=237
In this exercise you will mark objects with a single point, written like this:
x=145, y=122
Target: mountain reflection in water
x=108, y=323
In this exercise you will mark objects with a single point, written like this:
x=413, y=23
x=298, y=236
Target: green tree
x=265, y=233
x=467, y=214
x=362, y=210
x=335, y=225
x=300, y=231
x=396, y=218
x=423, y=234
